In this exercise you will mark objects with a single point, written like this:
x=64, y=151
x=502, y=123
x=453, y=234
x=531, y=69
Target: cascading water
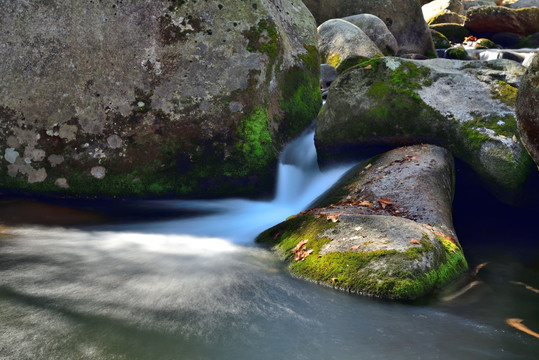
x=299, y=182
x=192, y=289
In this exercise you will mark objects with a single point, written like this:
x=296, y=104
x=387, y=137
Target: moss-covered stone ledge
x=383, y=230
x=466, y=106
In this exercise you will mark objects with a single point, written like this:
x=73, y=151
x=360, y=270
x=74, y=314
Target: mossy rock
x=447, y=17
x=528, y=111
x=439, y=39
x=457, y=53
x=454, y=32
x=402, y=250
x=390, y=102
x=485, y=44
x=184, y=98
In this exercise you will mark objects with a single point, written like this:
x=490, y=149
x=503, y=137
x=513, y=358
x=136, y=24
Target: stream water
x=197, y=287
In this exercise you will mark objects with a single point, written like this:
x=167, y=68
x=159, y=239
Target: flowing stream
x=197, y=287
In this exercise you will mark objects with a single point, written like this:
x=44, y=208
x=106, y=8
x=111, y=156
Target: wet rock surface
x=169, y=97
x=384, y=229
x=527, y=109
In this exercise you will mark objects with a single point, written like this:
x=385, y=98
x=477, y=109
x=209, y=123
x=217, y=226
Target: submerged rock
x=466, y=106
x=190, y=98
x=527, y=109
x=403, y=18
x=385, y=229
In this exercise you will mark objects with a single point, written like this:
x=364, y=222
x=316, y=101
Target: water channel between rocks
x=197, y=287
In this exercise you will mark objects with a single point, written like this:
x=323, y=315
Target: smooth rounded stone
x=485, y=44
x=328, y=74
x=340, y=41
x=527, y=109
x=377, y=31
x=437, y=7
x=402, y=17
x=98, y=172
x=454, y=32
x=385, y=229
x=439, y=39
x=62, y=183
x=174, y=98
x=456, y=52
x=447, y=17
x=530, y=42
x=461, y=105
x=506, y=39
x=519, y=4
x=494, y=19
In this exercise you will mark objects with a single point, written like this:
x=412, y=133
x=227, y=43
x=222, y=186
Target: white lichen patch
x=11, y=155
x=114, y=141
x=392, y=63
x=37, y=176
x=458, y=96
x=98, y=172
x=55, y=160
x=67, y=132
x=62, y=182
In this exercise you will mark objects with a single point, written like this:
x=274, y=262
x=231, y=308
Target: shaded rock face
x=447, y=17
x=385, y=229
x=468, y=107
x=377, y=31
x=524, y=4
x=340, y=41
x=494, y=19
x=169, y=97
x=403, y=18
x=527, y=109
x=454, y=32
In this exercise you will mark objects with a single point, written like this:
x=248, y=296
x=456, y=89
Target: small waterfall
x=299, y=183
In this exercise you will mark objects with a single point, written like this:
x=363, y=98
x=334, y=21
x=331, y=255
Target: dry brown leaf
x=384, y=202
x=368, y=166
x=300, y=245
x=517, y=324
x=414, y=242
x=366, y=203
x=334, y=217
x=355, y=247
x=368, y=67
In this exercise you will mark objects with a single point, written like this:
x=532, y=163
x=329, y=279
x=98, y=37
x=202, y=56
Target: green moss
x=440, y=40
x=457, y=53
x=350, y=270
x=505, y=93
x=263, y=38
x=351, y=62
x=333, y=60
x=485, y=44
x=256, y=144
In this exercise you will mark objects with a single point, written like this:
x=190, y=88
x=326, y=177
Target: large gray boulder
x=340, y=41
x=402, y=17
x=519, y=4
x=139, y=97
x=528, y=109
x=385, y=229
x=377, y=31
x=466, y=106
x=490, y=20
x=437, y=7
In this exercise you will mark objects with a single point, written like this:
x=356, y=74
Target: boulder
x=440, y=41
x=489, y=20
x=163, y=98
x=519, y=4
x=377, y=31
x=447, y=17
x=403, y=18
x=467, y=4
x=385, y=229
x=340, y=41
x=454, y=32
x=456, y=52
x=528, y=110
x=437, y=7
x=466, y=106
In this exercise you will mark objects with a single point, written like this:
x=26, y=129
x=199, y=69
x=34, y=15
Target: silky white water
x=199, y=288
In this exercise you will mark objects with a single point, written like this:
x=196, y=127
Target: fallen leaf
x=517, y=324
x=366, y=203
x=334, y=217
x=300, y=245
x=384, y=202
x=368, y=67
x=368, y=166
x=355, y=247
x=414, y=242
